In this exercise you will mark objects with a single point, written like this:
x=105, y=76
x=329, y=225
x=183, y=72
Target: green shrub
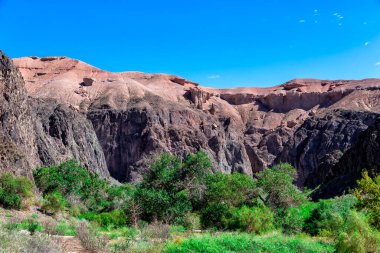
x=290, y=220
x=31, y=225
x=257, y=220
x=13, y=190
x=278, y=190
x=154, y=203
x=216, y=215
x=64, y=228
x=232, y=242
x=192, y=221
x=70, y=180
x=234, y=190
x=53, y=202
x=357, y=235
x=66, y=178
x=368, y=195
x=293, y=220
x=329, y=215
x=116, y=218
x=171, y=188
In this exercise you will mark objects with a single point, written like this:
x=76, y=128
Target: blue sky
x=217, y=43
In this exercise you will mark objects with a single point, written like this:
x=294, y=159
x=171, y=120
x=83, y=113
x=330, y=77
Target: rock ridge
x=115, y=123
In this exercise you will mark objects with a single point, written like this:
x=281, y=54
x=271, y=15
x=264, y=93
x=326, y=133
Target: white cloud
x=302, y=21
x=377, y=63
x=336, y=14
x=366, y=43
x=214, y=77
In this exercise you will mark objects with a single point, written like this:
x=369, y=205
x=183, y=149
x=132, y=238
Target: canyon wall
x=115, y=123
x=38, y=132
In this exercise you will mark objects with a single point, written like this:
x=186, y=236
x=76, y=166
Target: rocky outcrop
x=363, y=155
x=35, y=132
x=130, y=139
x=17, y=138
x=63, y=134
x=116, y=122
x=320, y=142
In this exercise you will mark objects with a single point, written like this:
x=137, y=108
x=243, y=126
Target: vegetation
x=368, y=195
x=14, y=190
x=278, y=190
x=16, y=241
x=232, y=242
x=177, y=199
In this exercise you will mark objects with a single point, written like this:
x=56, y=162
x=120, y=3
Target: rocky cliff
x=37, y=132
x=17, y=146
x=363, y=155
x=116, y=122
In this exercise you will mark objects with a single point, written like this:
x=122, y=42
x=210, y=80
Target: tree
x=368, y=195
x=71, y=179
x=278, y=190
x=171, y=187
x=195, y=169
x=234, y=189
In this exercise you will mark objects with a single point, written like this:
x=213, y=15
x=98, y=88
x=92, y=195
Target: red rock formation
x=137, y=115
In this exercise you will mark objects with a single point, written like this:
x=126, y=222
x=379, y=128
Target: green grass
x=235, y=242
x=64, y=228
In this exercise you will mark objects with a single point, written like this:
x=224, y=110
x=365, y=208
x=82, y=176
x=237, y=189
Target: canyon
x=55, y=108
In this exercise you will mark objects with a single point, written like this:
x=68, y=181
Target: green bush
x=216, y=215
x=31, y=225
x=53, y=202
x=66, y=178
x=70, y=179
x=368, y=195
x=257, y=220
x=232, y=242
x=192, y=221
x=290, y=221
x=278, y=190
x=293, y=220
x=234, y=190
x=13, y=190
x=116, y=218
x=171, y=188
x=64, y=228
x=329, y=215
x=357, y=235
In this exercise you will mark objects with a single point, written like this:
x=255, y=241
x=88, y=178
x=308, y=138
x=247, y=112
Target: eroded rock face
x=35, y=132
x=130, y=139
x=63, y=134
x=135, y=116
x=17, y=138
x=320, y=142
x=363, y=155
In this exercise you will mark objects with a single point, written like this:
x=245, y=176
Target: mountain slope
x=134, y=116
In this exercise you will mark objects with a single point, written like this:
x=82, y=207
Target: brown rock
x=137, y=115
x=87, y=81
